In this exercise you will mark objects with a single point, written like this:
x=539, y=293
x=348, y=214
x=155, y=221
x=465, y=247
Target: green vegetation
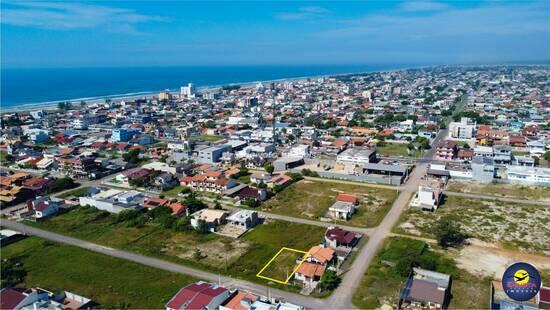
x=396, y=149
x=148, y=234
x=79, y=192
x=110, y=281
x=383, y=281
x=501, y=190
x=132, y=156
x=209, y=138
x=311, y=200
x=449, y=233
x=3, y=156
x=497, y=222
x=61, y=184
x=282, y=266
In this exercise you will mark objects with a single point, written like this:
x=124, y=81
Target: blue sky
x=141, y=33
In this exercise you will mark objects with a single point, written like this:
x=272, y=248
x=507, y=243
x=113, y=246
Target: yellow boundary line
x=274, y=257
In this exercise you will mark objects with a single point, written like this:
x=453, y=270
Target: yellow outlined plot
x=304, y=256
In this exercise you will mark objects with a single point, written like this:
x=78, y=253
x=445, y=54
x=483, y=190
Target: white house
x=429, y=194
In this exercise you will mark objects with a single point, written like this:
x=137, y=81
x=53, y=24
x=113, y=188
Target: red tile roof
x=340, y=235
x=346, y=198
x=10, y=298
x=195, y=296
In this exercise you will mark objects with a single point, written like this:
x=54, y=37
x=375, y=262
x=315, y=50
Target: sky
x=37, y=34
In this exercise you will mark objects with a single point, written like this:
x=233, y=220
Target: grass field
x=110, y=281
x=242, y=257
x=311, y=200
x=501, y=190
x=282, y=266
x=491, y=221
x=209, y=138
x=396, y=149
x=79, y=192
x=384, y=280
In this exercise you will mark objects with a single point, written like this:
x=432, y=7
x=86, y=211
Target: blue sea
x=24, y=87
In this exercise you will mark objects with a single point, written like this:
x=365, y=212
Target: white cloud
x=306, y=12
x=71, y=15
x=486, y=20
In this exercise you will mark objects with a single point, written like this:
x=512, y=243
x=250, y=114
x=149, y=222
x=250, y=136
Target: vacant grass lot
x=384, y=280
x=311, y=200
x=512, y=225
x=501, y=190
x=283, y=265
x=242, y=257
x=79, y=192
x=396, y=149
x=110, y=281
x=209, y=138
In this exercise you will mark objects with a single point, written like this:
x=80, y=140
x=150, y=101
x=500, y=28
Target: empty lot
x=311, y=200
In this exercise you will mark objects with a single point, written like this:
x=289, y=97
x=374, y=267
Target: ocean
x=24, y=88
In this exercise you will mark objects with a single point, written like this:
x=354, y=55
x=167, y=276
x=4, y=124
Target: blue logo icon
x=521, y=281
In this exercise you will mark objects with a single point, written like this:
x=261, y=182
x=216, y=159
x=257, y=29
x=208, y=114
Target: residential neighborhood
x=325, y=185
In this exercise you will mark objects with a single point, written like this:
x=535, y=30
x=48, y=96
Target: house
x=429, y=195
x=528, y=175
x=212, y=218
x=244, y=219
x=483, y=169
x=213, y=181
x=114, y=200
x=177, y=207
x=280, y=180
x=165, y=181
x=321, y=255
x=341, y=210
x=13, y=194
x=465, y=154
x=336, y=237
x=446, y=150
x=309, y=274
x=260, y=178
x=239, y=301
x=502, y=154
x=78, y=167
x=536, y=148
x=131, y=175
x=42, y=207
x=426, y=289
x=38, y=185
x=199, y=295
x=37, y=298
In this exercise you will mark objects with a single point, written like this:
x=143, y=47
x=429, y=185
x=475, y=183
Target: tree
x=269, y=167
x=448, y=233
x=329, y=281
x=62, y=184
x=202, y=227
x=466, y=145
x=12, y=272
x=547, y=156
x=132, y=156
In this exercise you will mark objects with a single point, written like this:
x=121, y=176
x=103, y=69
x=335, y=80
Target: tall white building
x=187, y=91
x=465, y=129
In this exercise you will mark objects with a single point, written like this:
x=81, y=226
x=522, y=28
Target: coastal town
x=291, y=194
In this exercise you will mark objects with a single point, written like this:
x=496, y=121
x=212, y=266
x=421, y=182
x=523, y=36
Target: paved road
x=353, y=183
x=490, y=197
x=342, y=297
x=309, y=302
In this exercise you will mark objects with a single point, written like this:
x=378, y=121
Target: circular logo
x=521, y=281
